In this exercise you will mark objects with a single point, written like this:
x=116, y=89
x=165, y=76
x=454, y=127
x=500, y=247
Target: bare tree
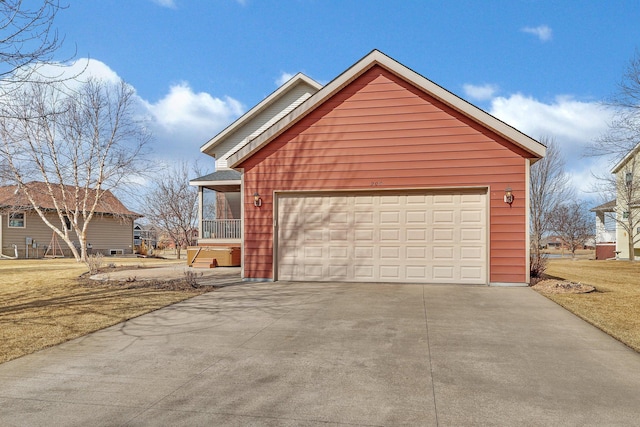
x=621, y=140
x=624, y=130
x=28, y=39
x=80, y=145
x=172, y=205
x=549, y=186
x=573, y=223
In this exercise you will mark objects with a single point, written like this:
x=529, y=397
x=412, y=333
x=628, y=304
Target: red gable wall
x=381, y=132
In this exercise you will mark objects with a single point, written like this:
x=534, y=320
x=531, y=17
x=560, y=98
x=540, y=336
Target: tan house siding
x=105, y=233
x=380, y=132
x=108, y=232
x=263, y=120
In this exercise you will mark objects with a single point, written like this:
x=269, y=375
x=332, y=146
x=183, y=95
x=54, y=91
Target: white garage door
x=383, y=237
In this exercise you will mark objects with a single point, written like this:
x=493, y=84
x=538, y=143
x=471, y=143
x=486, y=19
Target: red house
x=383, y=176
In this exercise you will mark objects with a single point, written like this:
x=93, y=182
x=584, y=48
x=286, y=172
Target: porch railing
x=221, y=228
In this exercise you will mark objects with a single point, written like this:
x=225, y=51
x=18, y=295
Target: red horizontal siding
x=381, y=132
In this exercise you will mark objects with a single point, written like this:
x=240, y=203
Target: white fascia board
x=293, y=81
x=625, y=159
x=209, y=183
x=527, y=143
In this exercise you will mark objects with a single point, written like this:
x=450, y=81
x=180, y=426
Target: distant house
x=145, y=233
x=21, y=228
x=552, y=242
x=378, y=176
x=624, y=210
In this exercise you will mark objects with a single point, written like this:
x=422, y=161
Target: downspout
x=527, y=212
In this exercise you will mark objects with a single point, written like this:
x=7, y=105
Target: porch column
x=600, y=228
x=200, y=208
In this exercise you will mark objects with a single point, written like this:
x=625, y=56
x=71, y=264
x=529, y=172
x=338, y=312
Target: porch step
x=205, y=263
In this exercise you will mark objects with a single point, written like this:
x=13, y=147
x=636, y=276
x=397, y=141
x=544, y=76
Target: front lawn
x=42, y=302
x=615, y=305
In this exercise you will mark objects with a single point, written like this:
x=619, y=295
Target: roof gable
x=529, y=145
x=271, y=109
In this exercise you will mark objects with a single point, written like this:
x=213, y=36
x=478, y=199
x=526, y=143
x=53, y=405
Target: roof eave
x=535, y=148
x=626, y=159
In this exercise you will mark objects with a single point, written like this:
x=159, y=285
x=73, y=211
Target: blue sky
x=542, y=66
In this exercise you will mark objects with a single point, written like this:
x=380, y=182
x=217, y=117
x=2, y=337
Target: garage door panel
x=362, y=273
x=337, y=235
x=442, y=216
x=390, y=235
x=416, y=253
x=416, y=235
x=416, y=217
x=314, y=252
x=314, y=271
x=471, y=235
x=364, y=235
x=443, y=272
x=442, y=235
x=363, y=252
x=363, y=219
x=416, y=272
x=470, y=216
x=390, y=252
x=471, y=273
x=338, y=271
x=339, y=252
x=411, y=237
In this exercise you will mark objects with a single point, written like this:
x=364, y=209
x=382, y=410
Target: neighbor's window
x=16, y=220
x=67, y=222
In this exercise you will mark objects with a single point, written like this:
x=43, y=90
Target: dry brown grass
x=42, y=302
x=615, y=305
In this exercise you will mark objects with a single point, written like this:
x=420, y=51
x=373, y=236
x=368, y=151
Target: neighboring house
x=110, y=231
x=379, y=176
x=624, y=210
x=145, y=233
x=552, y=242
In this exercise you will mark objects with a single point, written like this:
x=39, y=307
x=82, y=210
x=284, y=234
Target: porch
x=219, y=208
x=221, y=229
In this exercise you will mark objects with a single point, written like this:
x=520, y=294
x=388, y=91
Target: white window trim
x=24, y=220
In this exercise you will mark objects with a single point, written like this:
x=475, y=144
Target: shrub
x=538, y=265
x=94, y=262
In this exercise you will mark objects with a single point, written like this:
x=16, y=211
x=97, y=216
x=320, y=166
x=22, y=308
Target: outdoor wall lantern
x=508, y=195
x=257, y=201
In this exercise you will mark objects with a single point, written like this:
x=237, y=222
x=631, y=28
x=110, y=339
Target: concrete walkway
x=205, y=276
x=333, y=354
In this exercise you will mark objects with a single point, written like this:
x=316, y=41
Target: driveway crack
x=433, y=385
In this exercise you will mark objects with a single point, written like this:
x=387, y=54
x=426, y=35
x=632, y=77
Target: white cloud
x=573, y=124
x=284, y=77
x=171, y=4
x=73, y=72
x=481, y=93
x=183, y=120
x=543, y=32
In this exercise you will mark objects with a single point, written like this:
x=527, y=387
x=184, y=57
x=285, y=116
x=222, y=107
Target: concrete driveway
x=333, y=354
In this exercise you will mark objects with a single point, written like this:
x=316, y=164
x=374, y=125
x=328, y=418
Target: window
x=16, y=220
x=67, y=222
